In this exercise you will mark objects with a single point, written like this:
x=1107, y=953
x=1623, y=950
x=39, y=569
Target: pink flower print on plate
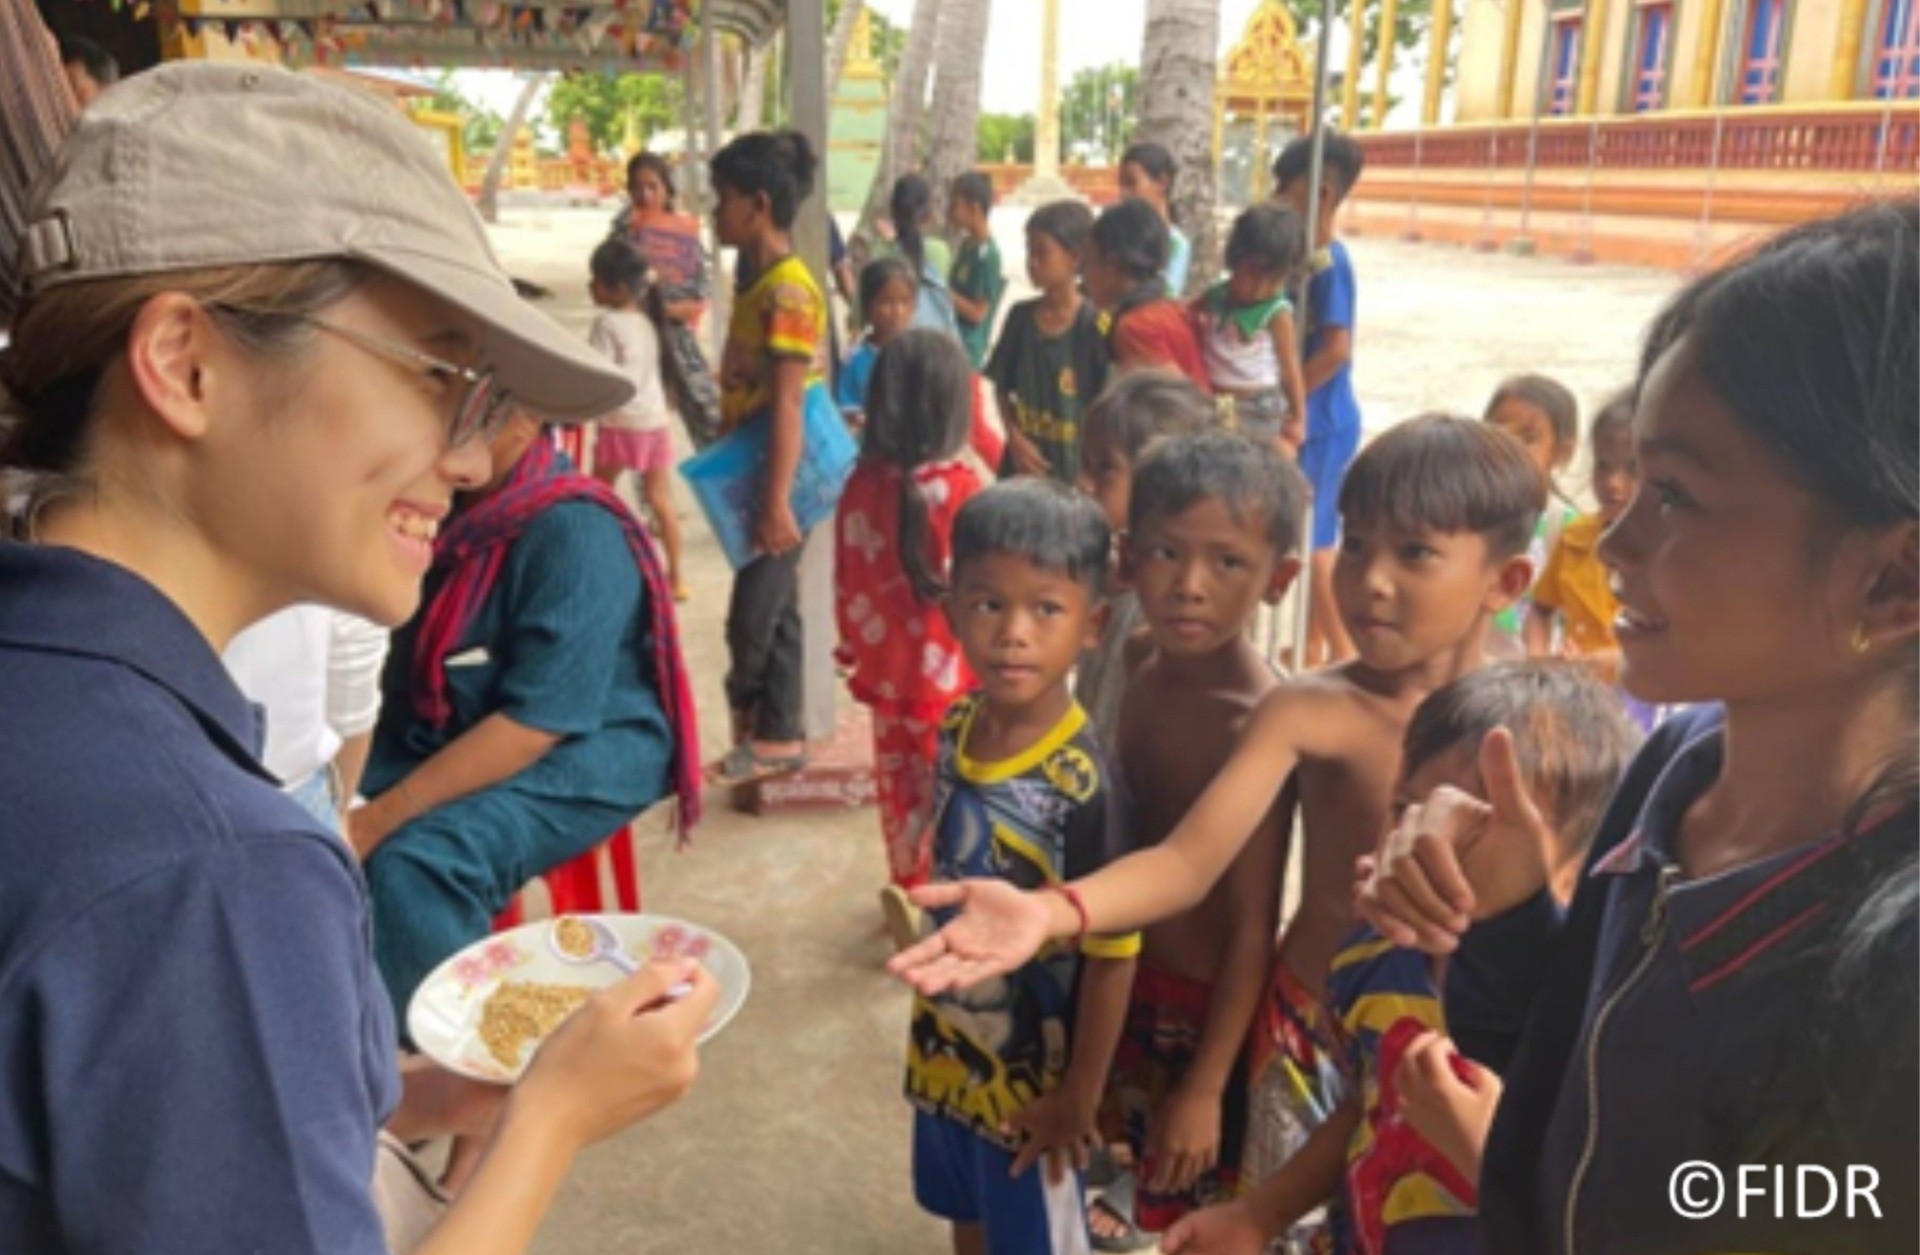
x=675, y=942
x=489, y=961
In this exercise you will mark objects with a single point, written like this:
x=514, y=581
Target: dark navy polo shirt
x=1672, y=1022
x=195, y=1050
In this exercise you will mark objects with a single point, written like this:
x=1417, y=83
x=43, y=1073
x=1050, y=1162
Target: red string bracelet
x=1072, y=895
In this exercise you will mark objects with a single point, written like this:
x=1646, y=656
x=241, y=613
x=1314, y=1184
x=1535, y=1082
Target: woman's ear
x=1890, y=613
x=171, y=362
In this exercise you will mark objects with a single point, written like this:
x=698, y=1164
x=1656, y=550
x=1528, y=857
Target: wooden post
x=1438, y=38
x=806, y=82
x=1510, y=55
x=1356, y=44
x=1389, y=10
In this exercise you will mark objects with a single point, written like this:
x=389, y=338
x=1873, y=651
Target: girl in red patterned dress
x=892, y=539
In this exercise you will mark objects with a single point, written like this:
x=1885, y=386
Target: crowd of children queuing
x=1075, y=737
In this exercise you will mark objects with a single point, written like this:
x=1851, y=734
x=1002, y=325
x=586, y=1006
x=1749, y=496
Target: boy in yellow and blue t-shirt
x=1012, y=1069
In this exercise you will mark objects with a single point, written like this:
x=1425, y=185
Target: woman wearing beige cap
x=264, y=343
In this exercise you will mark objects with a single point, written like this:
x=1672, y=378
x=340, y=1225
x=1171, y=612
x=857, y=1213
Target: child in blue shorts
x=1012, y=1069
x=1333, y=413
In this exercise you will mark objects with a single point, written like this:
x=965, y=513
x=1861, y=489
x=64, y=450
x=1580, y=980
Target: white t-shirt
x=628, y=337
x=317, y=672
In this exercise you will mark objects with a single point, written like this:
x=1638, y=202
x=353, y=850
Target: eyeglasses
x=484, y=406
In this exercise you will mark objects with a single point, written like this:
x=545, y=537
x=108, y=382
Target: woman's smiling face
x=331, y=472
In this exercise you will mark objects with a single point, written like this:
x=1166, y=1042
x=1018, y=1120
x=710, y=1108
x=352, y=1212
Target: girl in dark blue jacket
x=1714, y=1048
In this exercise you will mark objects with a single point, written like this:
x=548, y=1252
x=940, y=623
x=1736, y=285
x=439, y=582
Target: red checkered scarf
x=470, y=553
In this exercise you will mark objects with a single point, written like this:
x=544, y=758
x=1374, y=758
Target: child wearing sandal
x=1012, y=1070
x=776, y=350
x=892, y=538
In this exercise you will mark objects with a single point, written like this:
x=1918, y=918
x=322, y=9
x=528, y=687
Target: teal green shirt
x=559, y=645
x=976, y=275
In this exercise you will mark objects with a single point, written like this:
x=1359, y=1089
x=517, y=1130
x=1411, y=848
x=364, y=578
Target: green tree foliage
x=1411, y=21
x=604, y=101
x=481, y=127
x=999, y=133
x=1098, y=113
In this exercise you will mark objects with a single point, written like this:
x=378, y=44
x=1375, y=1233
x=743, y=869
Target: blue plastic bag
x=727, y=476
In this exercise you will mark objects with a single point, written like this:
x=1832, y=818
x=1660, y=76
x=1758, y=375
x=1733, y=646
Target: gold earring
x=1858, y=642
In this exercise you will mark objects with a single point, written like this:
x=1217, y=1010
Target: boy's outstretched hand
x=1228, y=1229
x=998, y=929
x=1448, y=1099
x=1454, y=858
x=1060, y=1126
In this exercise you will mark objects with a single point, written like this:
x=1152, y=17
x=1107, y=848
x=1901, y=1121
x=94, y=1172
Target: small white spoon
x=582, y=939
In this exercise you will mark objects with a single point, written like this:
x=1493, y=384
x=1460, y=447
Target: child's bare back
x=1173, y=737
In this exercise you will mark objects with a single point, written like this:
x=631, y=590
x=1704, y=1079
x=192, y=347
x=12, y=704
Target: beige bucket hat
x=197, y=164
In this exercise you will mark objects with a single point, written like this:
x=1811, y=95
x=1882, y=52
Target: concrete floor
x=795, y=1139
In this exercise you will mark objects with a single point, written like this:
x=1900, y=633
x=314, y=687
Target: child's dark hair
x=1813, y=344
x=1038, y=519
x=1134, y=238
x=1446, y=474
x=661, y=170
x=912, y=199
x=1615, y=414
x=1341, y=159
x=919, y=410
x=876, y=275
x=616, y=264
x=776, y=164
x=1248, y=476
x=1271, y=237
x=974, y=188
x=1155, y=160
x=1143, y=406
x=1552, y=398
x=1571, y=735
x=1067, y=222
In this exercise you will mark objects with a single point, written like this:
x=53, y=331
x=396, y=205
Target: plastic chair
x=574, y=886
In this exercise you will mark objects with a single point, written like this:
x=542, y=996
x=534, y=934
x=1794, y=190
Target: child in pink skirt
x=635, y=438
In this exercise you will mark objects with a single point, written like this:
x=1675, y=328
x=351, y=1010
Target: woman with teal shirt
x=535, y=705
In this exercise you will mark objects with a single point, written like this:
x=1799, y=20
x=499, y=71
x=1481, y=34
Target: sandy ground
x=796, y=1139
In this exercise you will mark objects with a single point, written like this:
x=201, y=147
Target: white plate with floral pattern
x=445, y=1018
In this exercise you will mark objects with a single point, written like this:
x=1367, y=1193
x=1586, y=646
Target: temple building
x=1663, y=132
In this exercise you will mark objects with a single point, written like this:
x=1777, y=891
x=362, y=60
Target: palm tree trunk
x=909, y=97
x=956, y=95
x=503, y=148
x=840, y=39
x=1177, y=63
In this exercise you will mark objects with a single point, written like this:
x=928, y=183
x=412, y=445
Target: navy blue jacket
x=1664, y=1022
